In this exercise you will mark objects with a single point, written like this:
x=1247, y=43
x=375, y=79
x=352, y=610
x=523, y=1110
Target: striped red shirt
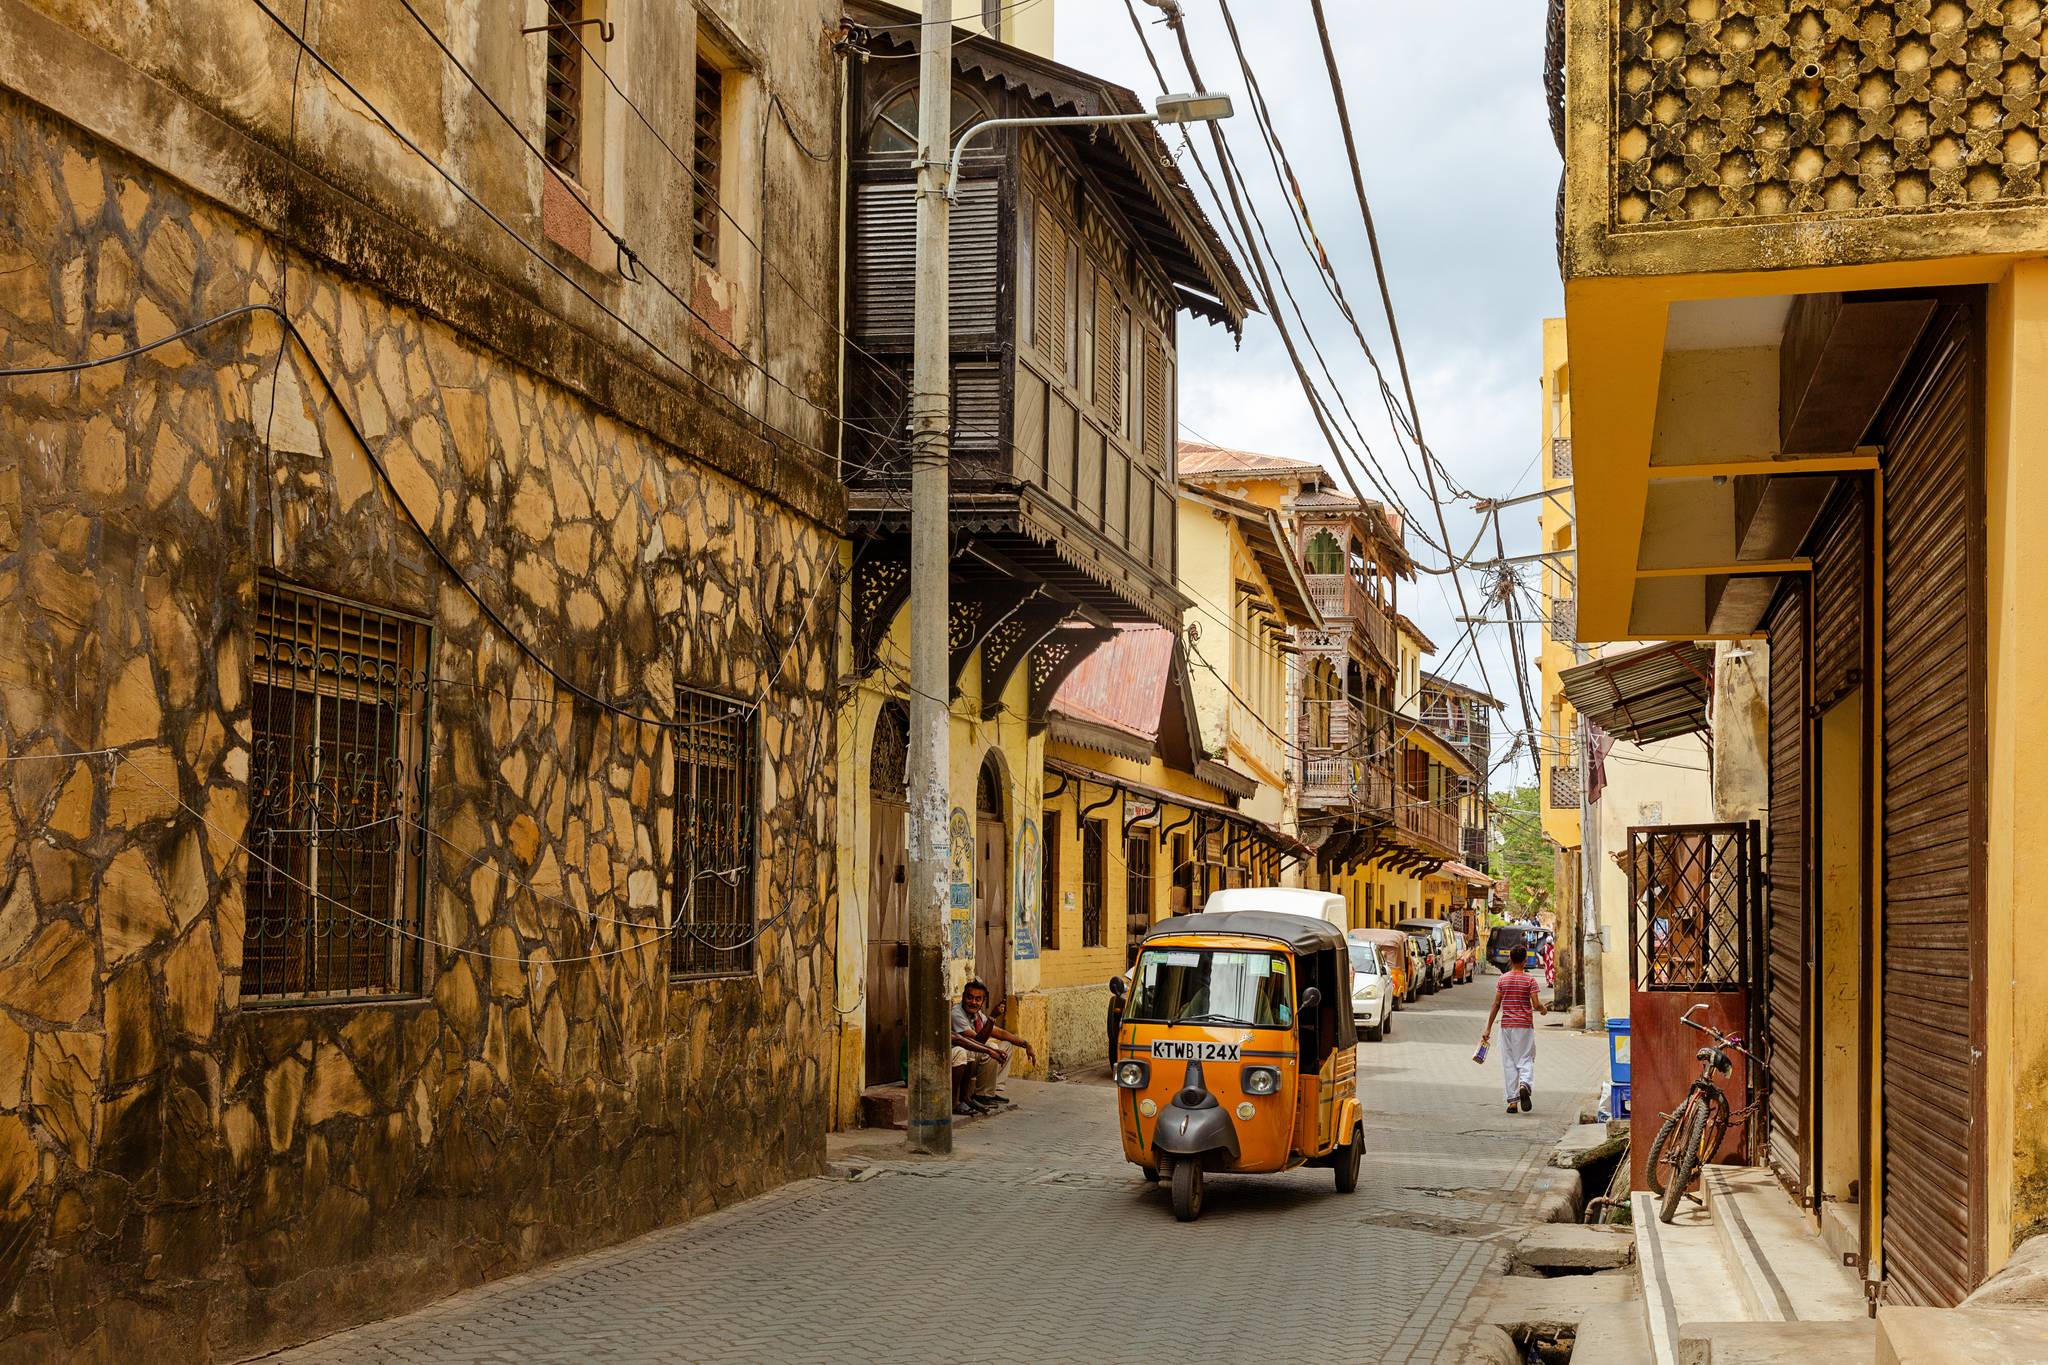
x=1516, y=992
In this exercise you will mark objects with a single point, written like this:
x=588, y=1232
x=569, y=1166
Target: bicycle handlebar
x=1722, y=1039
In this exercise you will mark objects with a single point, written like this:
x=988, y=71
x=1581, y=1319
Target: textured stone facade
x=179, y=1171
x=1760, y=108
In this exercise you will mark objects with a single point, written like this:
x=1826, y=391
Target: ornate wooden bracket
x=977, y=610
x=881, y=585
x=1010, y=641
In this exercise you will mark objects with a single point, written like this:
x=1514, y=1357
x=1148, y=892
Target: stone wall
x=178, y=1172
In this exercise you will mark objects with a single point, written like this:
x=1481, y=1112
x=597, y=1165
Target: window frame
x=1049, y=882
x=707, y=171
x=411, y=752
x=697, y=709
x=1094, y=841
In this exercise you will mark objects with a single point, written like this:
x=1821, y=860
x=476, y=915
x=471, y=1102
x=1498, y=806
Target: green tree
x=1521, y=855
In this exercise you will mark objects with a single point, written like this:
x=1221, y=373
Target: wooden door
x=888, y=995
x=991, y=910
x=1932, y=1229
x=1785, y=910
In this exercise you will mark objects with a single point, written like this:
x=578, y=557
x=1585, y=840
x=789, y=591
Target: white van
x=1327, y=906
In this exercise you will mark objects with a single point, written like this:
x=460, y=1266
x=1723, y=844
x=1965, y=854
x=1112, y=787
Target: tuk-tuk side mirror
x=1310, y=998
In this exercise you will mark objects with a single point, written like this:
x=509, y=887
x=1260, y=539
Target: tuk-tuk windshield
x=1212, y=986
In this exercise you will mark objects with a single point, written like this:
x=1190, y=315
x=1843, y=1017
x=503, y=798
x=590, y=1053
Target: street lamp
x=1203, y=106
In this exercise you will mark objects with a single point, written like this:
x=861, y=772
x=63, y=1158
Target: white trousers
x=1517, y=1059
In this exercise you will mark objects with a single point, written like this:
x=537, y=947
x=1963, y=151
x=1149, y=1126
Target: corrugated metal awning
x=1646, y=694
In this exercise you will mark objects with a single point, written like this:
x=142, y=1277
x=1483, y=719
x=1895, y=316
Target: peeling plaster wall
x=179, y=1173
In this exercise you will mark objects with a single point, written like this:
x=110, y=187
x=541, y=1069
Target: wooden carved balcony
x=1433, y=822
x=1342, y=598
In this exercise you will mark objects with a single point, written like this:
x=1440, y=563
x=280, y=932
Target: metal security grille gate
x=1694, y=898
x=717, y=766
x=1933, y=1227
x=338, y=709
x=1784, y=947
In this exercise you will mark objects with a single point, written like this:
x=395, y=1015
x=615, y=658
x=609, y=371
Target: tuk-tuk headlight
x=1261, y=1080
x=1133, y=1075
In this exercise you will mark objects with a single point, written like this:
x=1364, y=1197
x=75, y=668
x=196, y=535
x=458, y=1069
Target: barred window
x=706, y=160
x=1137, y=891
x=563, y=84
x=1049, y=884
x=1091, y=883
x=337, y=792
x=717, y=766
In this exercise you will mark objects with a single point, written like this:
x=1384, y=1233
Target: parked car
x=1467, y=963
x=1506, y=937
x=1437, y=936
x=1372, y=989
x=1397, y=955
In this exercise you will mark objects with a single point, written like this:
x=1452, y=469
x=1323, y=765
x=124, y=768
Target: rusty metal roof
x=1646, y=694
x=1200, y=460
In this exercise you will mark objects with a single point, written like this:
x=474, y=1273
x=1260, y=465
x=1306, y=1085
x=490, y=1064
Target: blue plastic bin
x=1620, y=1101
x=1617, y=1051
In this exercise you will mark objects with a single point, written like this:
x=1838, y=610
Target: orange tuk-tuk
x=1237, y=1052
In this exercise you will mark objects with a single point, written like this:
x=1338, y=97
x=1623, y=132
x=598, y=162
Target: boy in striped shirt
x=1516, y=1004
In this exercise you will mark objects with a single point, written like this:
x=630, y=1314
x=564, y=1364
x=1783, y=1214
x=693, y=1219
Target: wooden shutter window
x=1049, y=292
x=706, y=139
x=1156, y=437
x=563, y=89
x=1111, y=352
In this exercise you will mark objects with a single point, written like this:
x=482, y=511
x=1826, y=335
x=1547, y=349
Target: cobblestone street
x=1037, y=1242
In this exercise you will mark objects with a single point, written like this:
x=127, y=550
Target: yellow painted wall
x=1028, y=26
x=2016, y=485
x=1557, y=717
x=1662, y=783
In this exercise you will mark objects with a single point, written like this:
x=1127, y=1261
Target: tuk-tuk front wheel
x=1151, y=1174
x=1347, y=1161
x=1187, y=1188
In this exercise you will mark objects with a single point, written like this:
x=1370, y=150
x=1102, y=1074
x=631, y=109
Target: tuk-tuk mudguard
x=1194, y=1132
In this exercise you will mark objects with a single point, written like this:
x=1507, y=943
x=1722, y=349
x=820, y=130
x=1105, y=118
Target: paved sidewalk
x=1037, y=1242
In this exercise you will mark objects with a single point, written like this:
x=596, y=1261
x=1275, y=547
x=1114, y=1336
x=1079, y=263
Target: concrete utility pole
x=1590, y=957
x=931, y=1087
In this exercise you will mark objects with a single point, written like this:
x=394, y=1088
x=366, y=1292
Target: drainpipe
x=1590, y=944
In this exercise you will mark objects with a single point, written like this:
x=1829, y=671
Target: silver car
x=1372, y=992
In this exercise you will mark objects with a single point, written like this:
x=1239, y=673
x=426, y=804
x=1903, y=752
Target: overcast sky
x=1447, y=102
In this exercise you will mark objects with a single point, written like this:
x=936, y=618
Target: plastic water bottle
x=1480, y=1056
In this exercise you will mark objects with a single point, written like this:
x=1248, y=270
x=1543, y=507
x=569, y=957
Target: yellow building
x=1807, y=309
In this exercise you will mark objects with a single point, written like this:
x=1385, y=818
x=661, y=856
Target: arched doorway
x=991, y=884
x=888, y=993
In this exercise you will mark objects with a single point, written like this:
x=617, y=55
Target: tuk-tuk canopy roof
x=1299, y=932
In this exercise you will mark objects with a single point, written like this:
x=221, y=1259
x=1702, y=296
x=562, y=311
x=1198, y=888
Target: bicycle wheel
x=1687, y=1163
x=1717, y=1127
x=1663, y=1148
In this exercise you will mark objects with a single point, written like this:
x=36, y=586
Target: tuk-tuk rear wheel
x=1187, y=1189
x=1347, y=1161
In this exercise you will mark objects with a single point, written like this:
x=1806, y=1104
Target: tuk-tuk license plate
x=1170, y=1050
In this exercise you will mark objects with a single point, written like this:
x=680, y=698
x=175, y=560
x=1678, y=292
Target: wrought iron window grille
x=718, y=762
x=335, y=896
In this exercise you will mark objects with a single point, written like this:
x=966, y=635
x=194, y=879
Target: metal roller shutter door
x=1933, y=1220
x=1785, y=991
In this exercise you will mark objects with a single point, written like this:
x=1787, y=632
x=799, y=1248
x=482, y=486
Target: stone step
x=1777, y=1343
x=1684, y=1278
x=1614, y=1334
x=885, y=1106
x=1953, y=1336
x=1781, y=1268
x=1574, y=1248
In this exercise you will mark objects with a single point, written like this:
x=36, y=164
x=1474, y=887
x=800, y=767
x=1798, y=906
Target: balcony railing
x=1564, y=787
x=1342, y=597
x=1428, y=820
x=1332, y=778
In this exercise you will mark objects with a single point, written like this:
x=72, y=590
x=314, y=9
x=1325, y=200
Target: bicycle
x=1694, y=1131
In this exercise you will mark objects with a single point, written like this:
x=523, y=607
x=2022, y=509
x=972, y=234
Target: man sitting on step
x=980, y=1062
